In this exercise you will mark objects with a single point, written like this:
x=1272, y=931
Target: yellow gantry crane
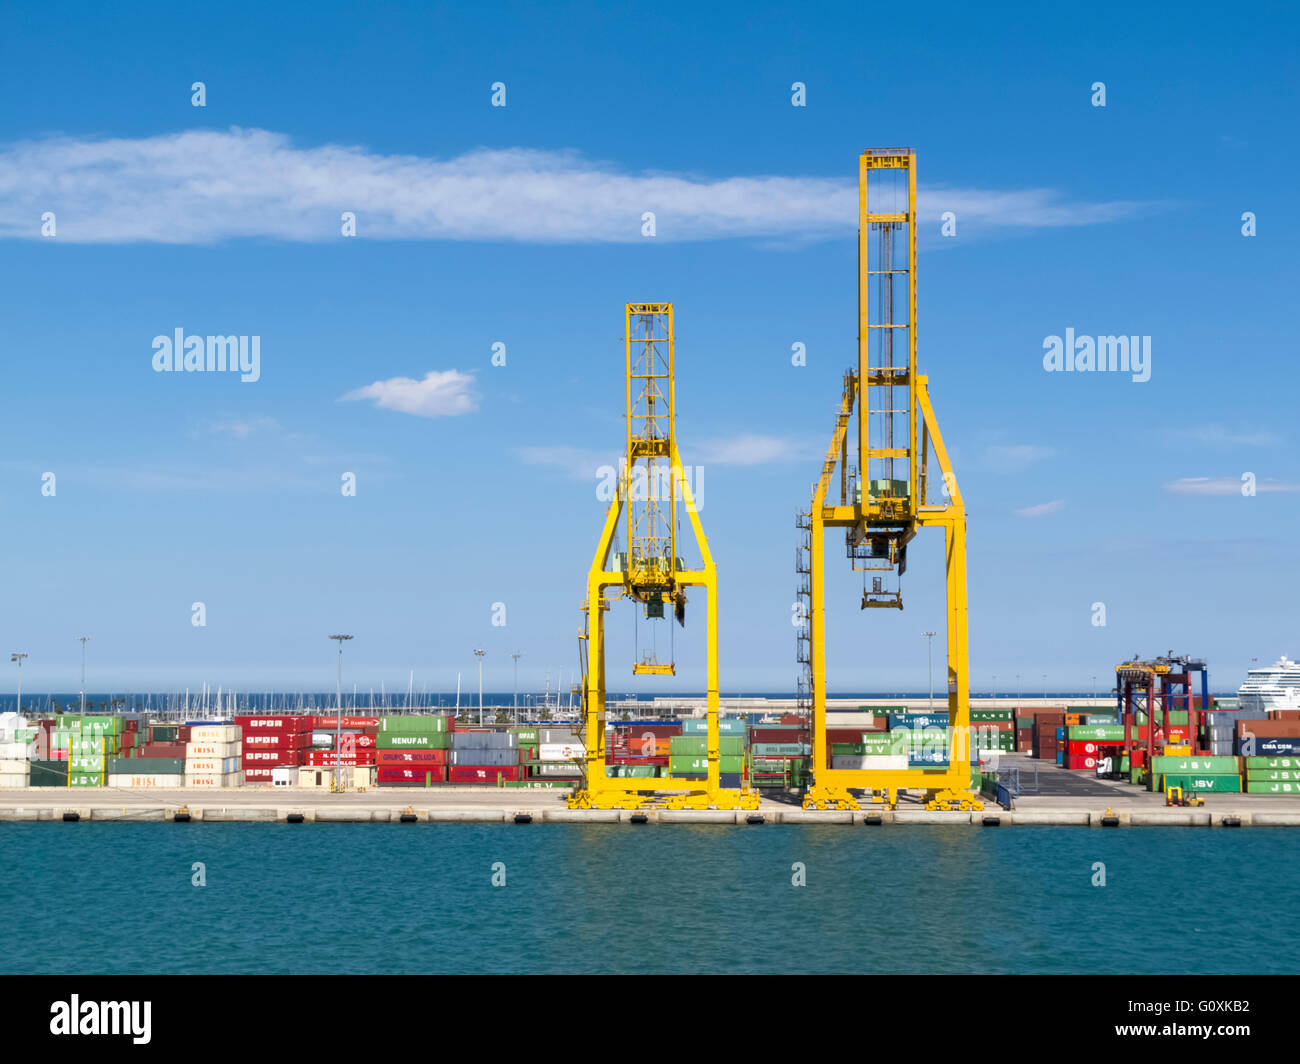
x=883, y=499
x=649, y=572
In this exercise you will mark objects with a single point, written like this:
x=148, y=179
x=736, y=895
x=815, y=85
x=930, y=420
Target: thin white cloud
x=746, y=450
x=242, y=428
x=1009, y=458
x=576, y=462
x=204, y=186
x=1042, y=509
x=1220, y=435
x=441, y=393
x=1226, y=486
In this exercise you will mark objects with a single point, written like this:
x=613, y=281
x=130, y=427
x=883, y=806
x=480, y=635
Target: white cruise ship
x=1272, y=688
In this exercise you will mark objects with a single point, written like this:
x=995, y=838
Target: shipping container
x=411, y=757
x=214, y=733
x=213, y=781
x=414, y=740
x=420, y=774
x=482, y=773
x=1272, y=787
x=412, y=724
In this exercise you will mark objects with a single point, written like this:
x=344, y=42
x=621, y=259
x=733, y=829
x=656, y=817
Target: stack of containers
x=412, y=751
x=640, y=751
x=92, y=741
x=484, y=756
x=158, y=761
x=560, y=753
x=271, y=742
x=867, y=750
x=1273, y=775
x=688, y=754
x=922, y=736
x=1222, y=729
x=992, y=730
x=212, y=756
x=355, y=748
x=17, y=739
x=780, y=754
x=1024, y=721
x=1046, y=721
x=1268, y=738
x=1218, y=775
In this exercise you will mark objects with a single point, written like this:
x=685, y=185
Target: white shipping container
x=193, y=749
x=214, y=733
x=131, y=779
x=13, y=752
x=13, y=780
x=213, y=781
x=562, y=751
x=323, y=739
x=877, y=762
x=211, y=766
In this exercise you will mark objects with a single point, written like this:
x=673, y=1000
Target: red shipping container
x=276, y=740
x=1080, y=761
x=271, y=757
x=325, y=758
x=163, y=750
x=791, y=735
x=834, y=735
x=279, y=724
x=259, y=775
x=418, y=774
x=640, y=731
x=411, y=757
x=328, y=722
x=483, y=773
x=1082, y=747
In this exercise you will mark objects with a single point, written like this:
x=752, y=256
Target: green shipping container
x=781, y=749
x=49, y=774
x=1272, y=762
x=695, y=745
x=1269, y=787
x=1272, y=775
x=1096, y=732
x=726, y=763
x=1204, y=765
x=527, y=736
x=413, y=741
x=1209, y=784
x=414, y=725
x=148, y=766
x=991, y=714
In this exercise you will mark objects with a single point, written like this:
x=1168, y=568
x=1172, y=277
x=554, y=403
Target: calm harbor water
x=370, y=898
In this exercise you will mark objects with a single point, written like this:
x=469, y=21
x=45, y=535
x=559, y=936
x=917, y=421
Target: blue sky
x=478, y=224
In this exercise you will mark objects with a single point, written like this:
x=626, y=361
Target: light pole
x=516, y=655
x=479, y=654
x=18, y=657
x=338, y=724
x=1017, y=687
x=995, y=685
x=83, y=640
x=1094, y=688
x=929, y=663
x=1044, y=687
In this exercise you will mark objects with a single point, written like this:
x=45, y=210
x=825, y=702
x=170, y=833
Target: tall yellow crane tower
x=649, y=571
x=883, y=492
